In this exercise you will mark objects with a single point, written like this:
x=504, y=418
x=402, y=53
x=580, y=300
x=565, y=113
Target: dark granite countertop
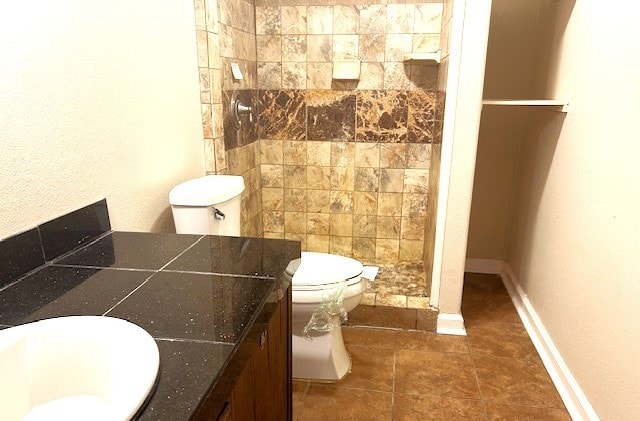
x=196, y=295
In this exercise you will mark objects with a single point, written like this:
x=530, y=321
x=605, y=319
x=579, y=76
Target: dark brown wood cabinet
x=261, y=373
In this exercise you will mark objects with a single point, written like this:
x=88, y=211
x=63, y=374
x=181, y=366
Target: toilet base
x=322, y=357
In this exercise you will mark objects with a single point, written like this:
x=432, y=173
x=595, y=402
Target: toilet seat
x=319, y=271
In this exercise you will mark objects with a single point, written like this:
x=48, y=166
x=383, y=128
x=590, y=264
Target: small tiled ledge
x=395, y=300
x=433, y=58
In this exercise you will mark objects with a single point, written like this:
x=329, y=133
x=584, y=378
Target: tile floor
x=401, y=285
x=399, y=373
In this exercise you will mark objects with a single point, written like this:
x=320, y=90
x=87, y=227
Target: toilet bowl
x=321, y=355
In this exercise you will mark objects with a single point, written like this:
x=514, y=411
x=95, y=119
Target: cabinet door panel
x=242, y=396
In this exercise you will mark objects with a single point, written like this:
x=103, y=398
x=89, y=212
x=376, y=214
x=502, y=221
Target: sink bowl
x=76, y=368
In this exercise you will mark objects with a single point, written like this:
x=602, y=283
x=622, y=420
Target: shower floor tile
x=400, y=373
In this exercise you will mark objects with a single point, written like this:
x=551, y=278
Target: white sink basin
x=75, y=368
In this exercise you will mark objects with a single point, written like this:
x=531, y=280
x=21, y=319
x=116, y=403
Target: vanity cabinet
x=261, y=372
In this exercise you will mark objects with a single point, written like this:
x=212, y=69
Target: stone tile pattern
x=403, y=374
x=225, y=34
x=338, y=187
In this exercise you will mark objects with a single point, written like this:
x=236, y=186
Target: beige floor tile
x=392, y=317
x=501, y=340
x=364, y=336
x=371, y=368
x=325, y=403
x=299, y=389
x=503, y=412
x=426, y=408
x=435, y=373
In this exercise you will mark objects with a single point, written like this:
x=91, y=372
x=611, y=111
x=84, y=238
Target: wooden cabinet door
x=242, y=397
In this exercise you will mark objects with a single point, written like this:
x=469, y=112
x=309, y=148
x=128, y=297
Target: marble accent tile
x=205, y=86
x=414, y=205
x=400, y=18
x=294, y=75
x=345, y=47
x=318, y=243
x=371, y=47
x=499, y=411
x=295, y=222
x=393, y=155
x=392, y=180
x=342, y=154
x=273, y=222
x=269, y=47
x=367, y=179
x=319, y=48
x=371, y=368
x=346, y=404
x=295, y=176
x=202, y=48
x=271, y=151
x=342, y=178
x=282, y=114
x=381, y=116
x=365, y=203
x=433, y=408
x=295, y=200
x=268, y=20
x=318, y=153
x=391, y=300
x=516, y=381
x=342, y=246
x=413, y=228
x=421, y=116
x=294, y=19
x=425, y=43
x=318, y=201
x=368, y=299
x=418, y=302
x=390, y=204
x=396, y=45
x=364, y=249
x=428, y=18
x=318, y=177
x=270, y=75
x=396, y=75
x=435, y=373
x=501, y=340
x=319, y=20
x=341, y=201
x=331, y=115
x=364, y=225
x=387, y=250
x=346, y=19
x=318, y=223
x=295, y=152
x=294, y=47
x=411, y=250
x=272, y=199
x=319, y=75
x=367, y=155
x=372, y=18
x=341, y=224
x=416, y=181
x=371, y=76
x=388, y=227
x=418, y=155
x=369, y=337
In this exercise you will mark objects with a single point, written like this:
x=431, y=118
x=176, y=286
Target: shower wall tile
x=319, y=75
x=346, y=19
x=319, y=20
x=331, y=115
x=294, y=75
x=268, y=20
x=282, y=114
x=381, y=116
x=294, y=19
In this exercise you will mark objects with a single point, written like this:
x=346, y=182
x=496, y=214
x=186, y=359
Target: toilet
x=211, y=205
x=321, y=355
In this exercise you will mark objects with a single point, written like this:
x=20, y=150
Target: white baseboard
x=484, y=266
x=451, y=324
x=572, y=395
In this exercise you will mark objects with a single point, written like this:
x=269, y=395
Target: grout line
x=80, y=247
x=151, y=276
x=60, y=265
x=234, y=275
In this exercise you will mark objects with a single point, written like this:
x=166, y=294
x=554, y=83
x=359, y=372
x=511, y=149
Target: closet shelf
x=556, y=104
x=432, y=57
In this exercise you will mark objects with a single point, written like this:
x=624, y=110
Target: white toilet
x=322, y=356
x=211, y=205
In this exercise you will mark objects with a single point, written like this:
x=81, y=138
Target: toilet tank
x=208, y=205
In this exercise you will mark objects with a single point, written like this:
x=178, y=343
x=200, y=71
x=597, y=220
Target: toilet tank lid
x=206, y=191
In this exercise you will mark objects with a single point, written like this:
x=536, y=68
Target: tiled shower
x=343, y=166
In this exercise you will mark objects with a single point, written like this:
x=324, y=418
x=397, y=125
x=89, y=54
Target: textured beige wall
x=575, y=229
x=96, y=100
